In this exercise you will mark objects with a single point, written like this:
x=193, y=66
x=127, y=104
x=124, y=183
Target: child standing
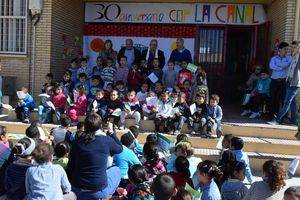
x=132, y=109
x=200, y=87
x=163, y=113
x=24, y=106
x=169, y=78
x=134, y=78
x=84, y=68
x=78, y=108
x=184, y=74
x=122, y=71
x=59, y=100
x=83, y=82
x=157, y=70
x=46, y=180
x=237, y=145
x=73, y=69
x=214, y=116
x=67, y=84
x=61, y=151
x=98, y=68
x=197, y=120
x=108, y=72
x=182, y=174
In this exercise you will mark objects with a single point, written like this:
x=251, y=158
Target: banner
x=182, y=13
x=92, y=45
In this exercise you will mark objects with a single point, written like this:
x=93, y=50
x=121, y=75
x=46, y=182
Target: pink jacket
x=80, y=105
x=59, y=100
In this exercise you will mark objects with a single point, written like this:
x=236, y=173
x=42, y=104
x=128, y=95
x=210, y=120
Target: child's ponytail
x=210, y=168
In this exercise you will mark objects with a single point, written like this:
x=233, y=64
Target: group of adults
x=285, y=82
x=134, y=56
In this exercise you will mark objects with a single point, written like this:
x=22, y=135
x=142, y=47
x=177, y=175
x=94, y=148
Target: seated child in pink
x=79, y=106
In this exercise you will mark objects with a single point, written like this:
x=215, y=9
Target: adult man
x=293, y=85
x=153, y=52
x=133, y=55
x=279, y=66
x=180, y=53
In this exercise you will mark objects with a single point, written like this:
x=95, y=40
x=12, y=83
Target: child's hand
x=122, y=192
x=110, y=110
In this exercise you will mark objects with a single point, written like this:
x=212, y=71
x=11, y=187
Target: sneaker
x=274, y=122
x=219, y=134
x=254, y=115
x=176, y=132
x=26, y=121
x=193, y=133
x=122, y=128
x=245, y=113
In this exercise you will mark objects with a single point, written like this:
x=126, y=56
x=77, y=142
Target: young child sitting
x=182, y=113
x=214, y=116
x=78, y=108
x=158, y=89
x=82, y=82
x=197, y=120
x=46, y=180
x=157, y=71
x=184, y=74
x=49, y=82
x=237, y=145
x=59, y=100
x=234, y=188
x=126, y=158
x=134, y=78
x=186, y=90
x=24, y=106
x=84, y=68
x=73, y=69
x=163, y=187
x=183, y=194
x=169, y=78
x=4, y=145
x=153, y=165
x=150, y=106
x=95, y=85
x=259, y=95
x=98, y=68
x=61, y=152
x=67, y=84
x=200, y=87
x=61, y=133
x=182, y=174
x=132, y=109
x=115, y=108
x=122, y=91
x=143, y=94
x=99, y=105
x=108, y=72
x=122, y=71
x=162, y=118
x=45, y=110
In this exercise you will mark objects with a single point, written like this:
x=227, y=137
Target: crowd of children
x=92, y=163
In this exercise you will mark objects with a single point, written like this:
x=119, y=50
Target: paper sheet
x=196, y=194
x=174, y=111
x=50, y=104
x=151, y=101
x=117, y=112
x=21, y=95
x=164, y=143
x=193, y=108
x=95, y=104
x=153, y=78
x=192, y=68
x=44, y=95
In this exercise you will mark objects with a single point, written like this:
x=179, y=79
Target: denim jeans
x=289, y=102
x=213, y=126
x=181, y=121
x=113, y=180
x=23, y=109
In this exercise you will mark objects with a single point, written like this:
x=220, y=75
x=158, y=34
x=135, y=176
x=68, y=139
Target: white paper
x=50, y=104
x=174, y=111
x=76, y=95
x=151, y=101
x=170, y=90
x=127, y=107
x=21, y=95
x=192, y=68
x=153, y=78
x=95, y=104
x=193, y=108
x=7, y=106
x=117, y=112
x=44, y=95
x=246, y=99
x=183, y=79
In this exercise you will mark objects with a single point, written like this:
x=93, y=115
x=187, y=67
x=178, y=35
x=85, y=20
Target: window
x=13, y=26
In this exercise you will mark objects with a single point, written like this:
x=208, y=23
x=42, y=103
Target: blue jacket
x=243, y=157
x=263, y=86
x=214, y=113
x=280, y=66
x=28, y=101
x=233, y=189
x=179, y=56
x=210, y=191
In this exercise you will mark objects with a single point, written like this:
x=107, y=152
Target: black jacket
x=137, y=55
x=161, y=58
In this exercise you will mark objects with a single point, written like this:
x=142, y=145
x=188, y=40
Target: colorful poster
x=182, y=13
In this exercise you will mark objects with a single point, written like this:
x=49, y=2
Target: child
x=132, y=109
x=46, y=180
x=61, y=151
x=186, y=90
x=142, y=95
x=169, y=78
x=157, y=70
x=174, y=95
x=163, y=113
x=214, y=116
x=84, y=69
x=79, y=131
x=153, y=165
x=184, y=74
x=59, y=101
x=207, y=171
x=126, y=158
x=292, y=193
x=16, y=171
x=234, y=188
x=182, y=113
x=4, y=145
x=78, y=108
x=200, y=87
x=108, y=72
x=259, y=95
x=226, y=143
x=114, y=105
x=99, y=105
x=134, y=78
x=61, y=133
x=82, y=82
x=150, y=106
x=67, y=84
x=197, y=120
x=122, y=71
x=24, y=106
x=158, y=88
x=122, y=91
x=96, y=85
x=237, y=145
x=136, y=146
x=183, y=194
x=145, y=71
x=163, y=187
x=182, y=174
x=45, y=110
x=98, y=68
x=49, y=82
x=73, y=69
x=181, y=137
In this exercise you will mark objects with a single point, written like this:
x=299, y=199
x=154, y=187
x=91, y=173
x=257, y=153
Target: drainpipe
x=296, y=27
x=32, y=66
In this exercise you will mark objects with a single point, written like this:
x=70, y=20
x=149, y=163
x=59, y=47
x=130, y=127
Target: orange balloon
x=97, y=44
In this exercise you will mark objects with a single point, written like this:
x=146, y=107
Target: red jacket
x=59, y=100
x=184, y=75
x=181, y=180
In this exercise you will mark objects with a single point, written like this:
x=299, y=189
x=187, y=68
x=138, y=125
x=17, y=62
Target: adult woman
x=271, y=187
x=108, y=51
x=87, y=167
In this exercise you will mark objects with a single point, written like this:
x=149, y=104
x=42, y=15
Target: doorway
x=237, y=62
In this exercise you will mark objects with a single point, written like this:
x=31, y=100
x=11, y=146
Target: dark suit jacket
x=137, y=55
x=161, y=58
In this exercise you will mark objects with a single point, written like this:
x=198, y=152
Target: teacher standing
x=153, y=53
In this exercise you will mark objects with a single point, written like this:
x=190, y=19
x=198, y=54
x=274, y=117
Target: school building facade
x=226, y=37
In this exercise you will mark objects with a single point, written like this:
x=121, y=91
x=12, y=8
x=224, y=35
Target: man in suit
x=133, y=54
x=153, y=53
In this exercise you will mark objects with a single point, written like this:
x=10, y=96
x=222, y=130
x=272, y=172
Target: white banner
x=183, y=13
x=93, y=44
